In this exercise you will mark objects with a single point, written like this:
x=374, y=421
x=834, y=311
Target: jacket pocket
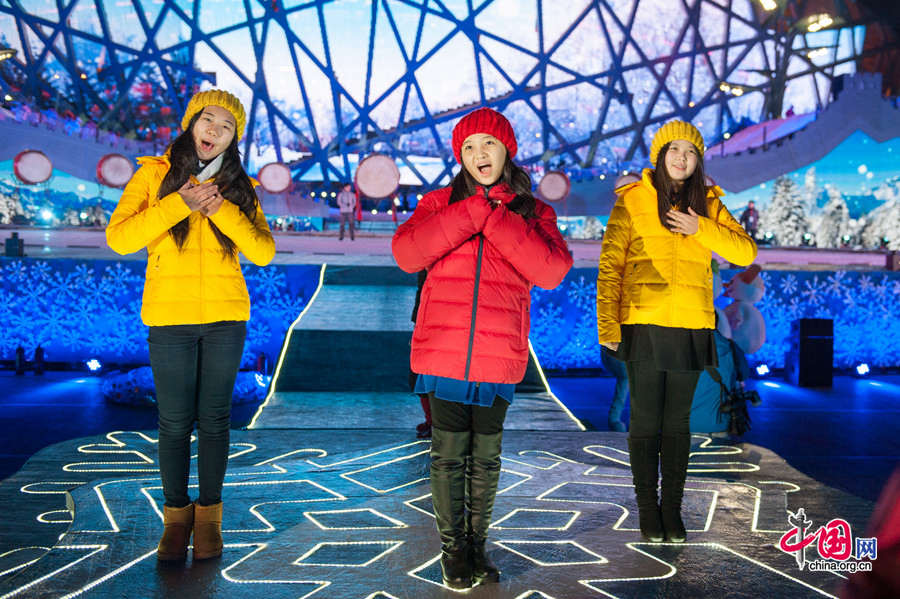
x=524, y=322
x=422, y=314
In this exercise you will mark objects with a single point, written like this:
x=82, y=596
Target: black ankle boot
x=483, y=569
x=448, y=496
x=644, y=452
x=674, y=455
x=482, y=478
x=456, y=567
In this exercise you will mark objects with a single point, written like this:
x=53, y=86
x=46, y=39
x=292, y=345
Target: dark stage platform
x=346, y=514
x=327, y=493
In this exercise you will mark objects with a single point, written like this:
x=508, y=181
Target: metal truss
x=585, y=82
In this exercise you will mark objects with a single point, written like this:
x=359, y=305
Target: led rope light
x=284, y=346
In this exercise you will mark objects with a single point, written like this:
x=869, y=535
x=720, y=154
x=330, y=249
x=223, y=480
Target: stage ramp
x=345, y=361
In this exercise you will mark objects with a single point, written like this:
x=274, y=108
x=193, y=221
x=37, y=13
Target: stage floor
x=346, y=514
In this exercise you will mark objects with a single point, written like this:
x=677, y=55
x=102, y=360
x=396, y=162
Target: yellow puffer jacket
x=196, y=285
x=650, y=275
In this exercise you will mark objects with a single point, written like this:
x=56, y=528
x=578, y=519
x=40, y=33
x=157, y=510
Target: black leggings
x=660, y=399
x=194, y=370
x=456, y=417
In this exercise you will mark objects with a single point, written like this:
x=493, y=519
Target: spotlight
x=862, y=369
x=83, y=215
x=94, y=364
x=46, y=214
x=819, y=22
x=768, y=4
x=333, y=194
x=762, y=369
x=418, y=196
x=8, y=98
x=6, y=53
x=374, y=211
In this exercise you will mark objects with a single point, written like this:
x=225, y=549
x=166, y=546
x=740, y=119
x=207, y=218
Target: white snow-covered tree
x=883, y=223
x=834, y=222
x=785, y=217
x=591, y=229
x=810, y=191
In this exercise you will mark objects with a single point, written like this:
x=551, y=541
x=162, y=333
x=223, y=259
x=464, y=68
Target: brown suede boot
x=207, y=530
x=179, y=522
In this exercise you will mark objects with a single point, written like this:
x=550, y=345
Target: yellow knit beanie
x=216, y=97
x=675, y=130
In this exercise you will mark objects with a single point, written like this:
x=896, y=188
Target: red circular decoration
x=114, y=170
x=626, y=179
x=32, y=167
x=275, y=177
x=377, y=176
x=554, y=186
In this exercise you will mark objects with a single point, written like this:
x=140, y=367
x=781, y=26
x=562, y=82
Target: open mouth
x=484, y=169
x=207, y=146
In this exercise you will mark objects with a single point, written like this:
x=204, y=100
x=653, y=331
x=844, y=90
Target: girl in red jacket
x=655, y=310
x=485, y=241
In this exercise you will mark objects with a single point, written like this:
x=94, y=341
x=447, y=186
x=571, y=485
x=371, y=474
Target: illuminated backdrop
x=585, y=82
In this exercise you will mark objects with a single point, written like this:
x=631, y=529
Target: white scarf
x=211, y=168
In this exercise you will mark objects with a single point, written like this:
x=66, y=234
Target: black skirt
x=671, y=348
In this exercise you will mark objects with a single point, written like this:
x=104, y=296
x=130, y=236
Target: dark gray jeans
x=194, y=369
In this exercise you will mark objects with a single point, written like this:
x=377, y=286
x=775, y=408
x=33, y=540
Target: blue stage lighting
x=763, y=369
x=862, y=369
x=94, y=364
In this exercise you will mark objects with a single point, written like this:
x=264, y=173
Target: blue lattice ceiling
x=585, y=82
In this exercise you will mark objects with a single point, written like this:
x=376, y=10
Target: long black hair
x=691, y=194
x=233, y=182
x=465, y=185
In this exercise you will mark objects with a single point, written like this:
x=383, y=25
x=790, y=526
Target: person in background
x=616, y=367
x=750, y=219
x=423, y=429
x=346, y=201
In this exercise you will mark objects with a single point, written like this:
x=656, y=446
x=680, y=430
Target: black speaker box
x=808, y=362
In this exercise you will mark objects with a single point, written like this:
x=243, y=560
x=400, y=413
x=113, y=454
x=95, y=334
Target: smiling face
x=681, y=160
x=483, y=156
x=213, y=132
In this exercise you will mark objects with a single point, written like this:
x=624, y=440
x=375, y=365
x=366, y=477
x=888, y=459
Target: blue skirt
x=464, y=392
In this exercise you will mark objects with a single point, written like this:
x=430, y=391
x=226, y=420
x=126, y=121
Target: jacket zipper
x=474, y=305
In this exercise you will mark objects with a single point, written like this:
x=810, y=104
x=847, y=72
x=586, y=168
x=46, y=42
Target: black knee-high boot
x=645, y=474
x=675, y=452
x=448, y=496
x=482, y=478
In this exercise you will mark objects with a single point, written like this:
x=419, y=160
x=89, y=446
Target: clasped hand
x=679, y=222
x=204, y=198
x=499, y=195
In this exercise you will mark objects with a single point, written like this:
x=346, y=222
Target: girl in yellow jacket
x=194, y=209
x=655, y=310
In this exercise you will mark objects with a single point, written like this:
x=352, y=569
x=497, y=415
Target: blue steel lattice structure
x=585, y=82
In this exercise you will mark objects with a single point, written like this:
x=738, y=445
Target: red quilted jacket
x=473, y=319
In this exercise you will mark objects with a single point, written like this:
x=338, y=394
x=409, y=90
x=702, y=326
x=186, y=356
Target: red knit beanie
x=484, y=120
